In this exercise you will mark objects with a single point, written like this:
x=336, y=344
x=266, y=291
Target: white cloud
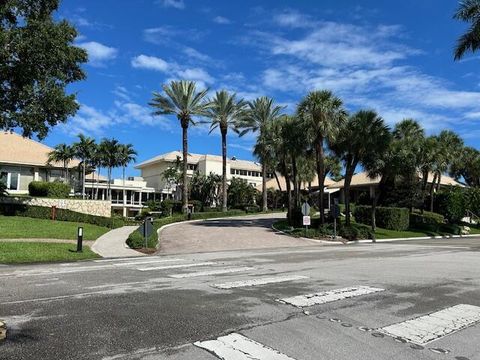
x=151, y=63
x=196, y=55
x=98, y=54
x=222, y=20
x=174, y=70
x=177, y=4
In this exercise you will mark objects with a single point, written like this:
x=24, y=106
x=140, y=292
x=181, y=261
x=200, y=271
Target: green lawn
x=392, y=234
x=29, y=252
x=16, y=227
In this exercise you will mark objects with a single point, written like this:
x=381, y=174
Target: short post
x=334, y=228
x=79, y=239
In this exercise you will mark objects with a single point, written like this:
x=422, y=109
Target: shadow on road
x=237, y=223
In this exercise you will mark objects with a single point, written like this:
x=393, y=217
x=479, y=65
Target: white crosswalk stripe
x=238, y=347
x=259, y=281
x=329, y=296
x=427, y=328
x=211, y=272
x=167, y=267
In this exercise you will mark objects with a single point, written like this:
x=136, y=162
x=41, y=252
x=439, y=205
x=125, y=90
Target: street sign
x=306, y=221
x=305, y=209
x=146, y=229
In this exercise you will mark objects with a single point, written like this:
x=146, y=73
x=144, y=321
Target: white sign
x=305, y=209
x=306, y=221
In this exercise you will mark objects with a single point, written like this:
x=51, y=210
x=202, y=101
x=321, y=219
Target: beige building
x=153, y=170
x=24, y=160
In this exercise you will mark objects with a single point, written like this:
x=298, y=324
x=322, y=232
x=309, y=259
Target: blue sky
x=394, y=57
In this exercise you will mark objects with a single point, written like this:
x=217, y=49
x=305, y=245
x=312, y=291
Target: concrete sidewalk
x=112, y=244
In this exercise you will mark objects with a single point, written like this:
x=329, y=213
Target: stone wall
x=92, y=207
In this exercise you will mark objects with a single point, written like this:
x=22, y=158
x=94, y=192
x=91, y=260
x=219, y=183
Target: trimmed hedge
x=428, y=221
x=41, y=212
x=136, y=240
x=386, y=217
x=56, y=190
x=356, y=232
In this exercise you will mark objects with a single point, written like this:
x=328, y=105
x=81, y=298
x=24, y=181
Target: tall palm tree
x=182, y=99
x=84, y=149
x=110, y=148
x=126, y=155
x=468, y=11
x=364, y=135
x=467, y=166
x=62, y=153
x=225, y=113
x=261, y=113
x=323, y=114
x=98, y=161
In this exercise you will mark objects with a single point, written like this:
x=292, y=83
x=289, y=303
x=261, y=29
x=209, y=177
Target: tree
x=364, y=135
x=126, y=155
x=225, y=112
x=182, y=99
x=323, y=114
x=84, y=150
x=261, y=113
x=240, y=193
x=468, y=11
x=205, y=188
x=467, y=166
x=64, y=154
x=37, y=63
x=111, y=150
x=97, y=161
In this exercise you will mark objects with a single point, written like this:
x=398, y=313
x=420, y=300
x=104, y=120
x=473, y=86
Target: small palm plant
x=225, y=113
x=182, y=99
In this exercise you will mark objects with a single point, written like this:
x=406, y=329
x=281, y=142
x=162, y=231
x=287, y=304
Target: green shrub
x=352, y=208
x=452, y=203
x=453, y=229
x=174, y=205
x=41, y=212
x=428, y=221
x=56, y=190
x=355, y=232
x=386, y=217
x=252, y=209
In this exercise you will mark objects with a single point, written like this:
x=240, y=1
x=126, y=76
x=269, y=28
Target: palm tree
x=110, y=148
x=98, y=161
x=261, y=113
x=468, y=11
x=182, y=99
x=467, y=166
x=84, y=149
x=429, y=164
x=62, y=153
x=126, y=155
x=323, y=114
x=225, y=112
x=363, y=136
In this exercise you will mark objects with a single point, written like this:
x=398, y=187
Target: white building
x=153, y=170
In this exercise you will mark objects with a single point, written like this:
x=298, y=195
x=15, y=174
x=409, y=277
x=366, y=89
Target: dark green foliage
x=41, y=212
x=355, y=232
x=452, y=203
x=453, y=229
x=3, y=189
x=55, y=190
x=473, y=200
x=240, y=194
x=427, y=221
x=197, y=205
x=252, y=209
x=137, y=241
x=406, y=191
x=37, y=62
x=174, y=205
x=387, y=217
x=204, y=190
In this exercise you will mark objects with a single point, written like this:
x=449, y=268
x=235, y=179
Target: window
x=232, y=171
x=192, y=167
x=11, y=179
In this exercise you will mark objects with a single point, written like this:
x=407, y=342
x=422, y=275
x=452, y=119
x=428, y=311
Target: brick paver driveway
x=246, y=232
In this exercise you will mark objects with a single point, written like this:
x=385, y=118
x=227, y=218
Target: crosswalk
x=418, y=331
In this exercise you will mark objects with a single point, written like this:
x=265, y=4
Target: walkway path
x=112, y=244
x=60, y=241
x=246, y=232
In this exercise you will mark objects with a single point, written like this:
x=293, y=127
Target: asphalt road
x=159, y=307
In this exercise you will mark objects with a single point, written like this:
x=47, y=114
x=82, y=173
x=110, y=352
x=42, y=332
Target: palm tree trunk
x=424, y=189
x=124, y=192
x=321, y=179
x=278, y=181
x=185, y=167
x=98, y=184
x=432, y=187
x=296, y=200
x=224, y=170
x=264, y=187
x=375, y=200
x=350, y=168
x=289, y=199
x=83, y=179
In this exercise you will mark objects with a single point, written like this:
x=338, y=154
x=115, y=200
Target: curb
x=324, y=242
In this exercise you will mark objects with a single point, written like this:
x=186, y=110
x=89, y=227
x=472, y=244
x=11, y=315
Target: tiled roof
x=18, y=150
x=272, y=183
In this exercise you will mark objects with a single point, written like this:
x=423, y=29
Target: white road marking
x=211, y=272
x=147, y=262
x=427, y=328
x=238, y=347
x=259, y=281
x=166, y=267
x=329, y=296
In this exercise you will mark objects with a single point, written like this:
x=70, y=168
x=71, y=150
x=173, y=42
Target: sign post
x=146, y=230
x=335, y=210
x=306, y=216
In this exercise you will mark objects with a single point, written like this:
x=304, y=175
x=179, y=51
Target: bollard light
x=79, y=238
